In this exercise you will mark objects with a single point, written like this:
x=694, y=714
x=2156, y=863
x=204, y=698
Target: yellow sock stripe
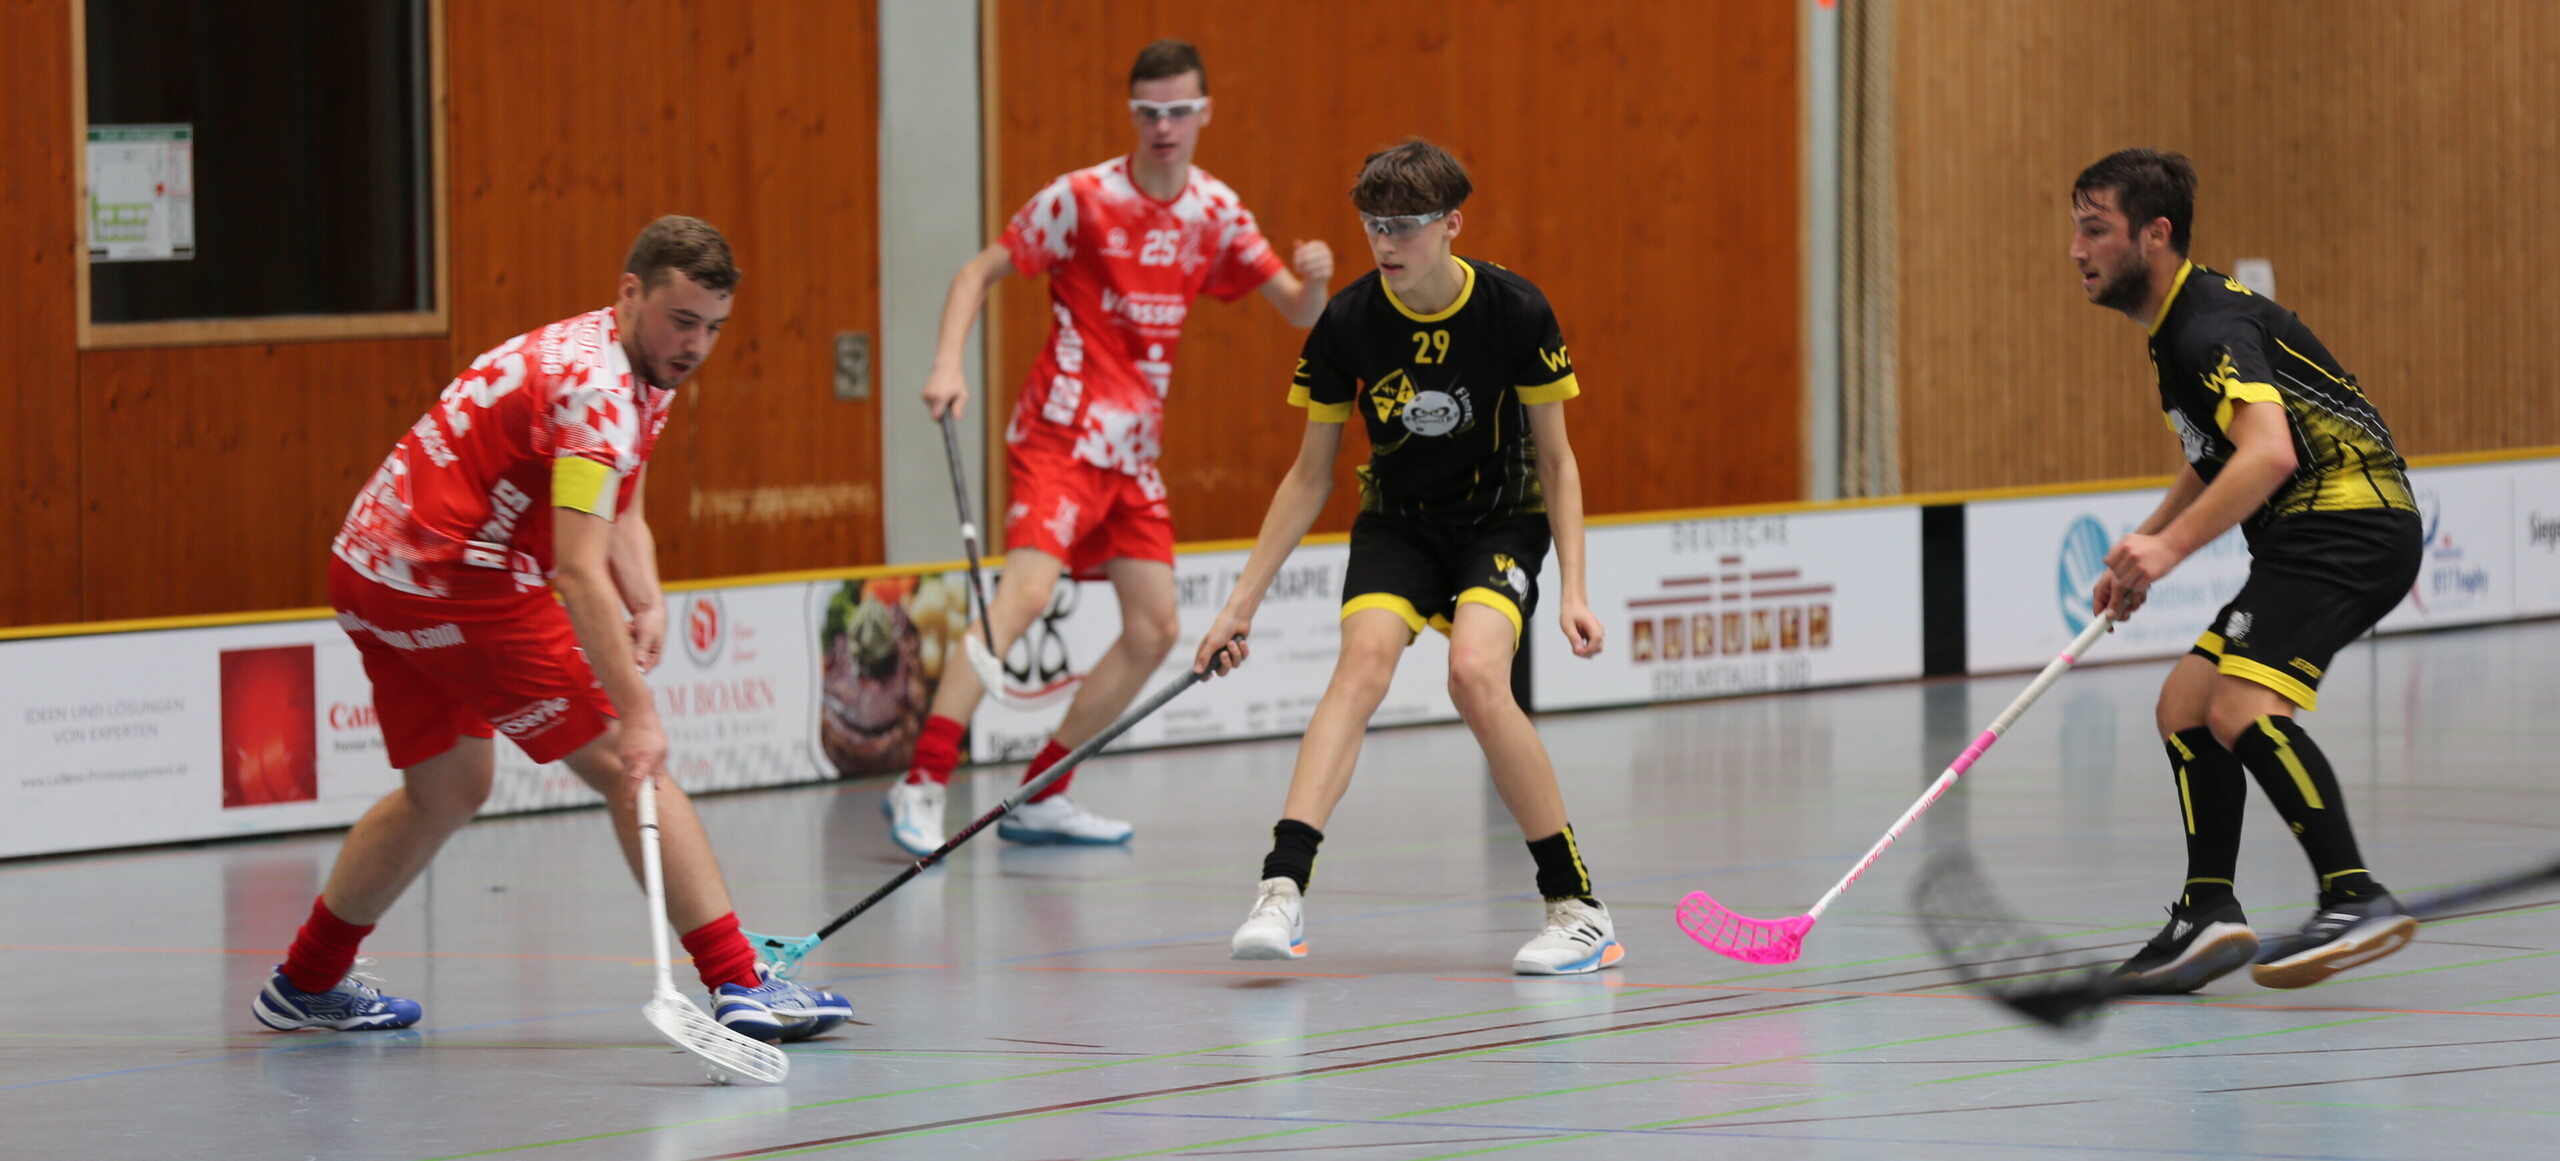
x=2324, y=879
x=2185, y=800
x=2224, y=882
x=1573, y=849
x=2292, y=763
x=2181, y=747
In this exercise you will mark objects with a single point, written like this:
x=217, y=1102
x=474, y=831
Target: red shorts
x=447, y=669
x=1084, y=515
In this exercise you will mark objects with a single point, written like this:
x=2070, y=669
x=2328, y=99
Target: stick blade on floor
x=2001, y=957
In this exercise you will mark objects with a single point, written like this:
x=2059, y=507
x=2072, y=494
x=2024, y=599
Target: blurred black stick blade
x=2000, y=957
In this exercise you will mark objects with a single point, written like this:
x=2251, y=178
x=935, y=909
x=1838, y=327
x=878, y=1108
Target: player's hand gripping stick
x=785, y=954
x=724, y=1053
x=983, y=656
x=1724, y=932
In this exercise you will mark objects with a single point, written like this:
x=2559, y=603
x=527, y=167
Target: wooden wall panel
x=170, y=481
x=785, y=476
x=39, y=411
x=213, y=477
x=2391, y=157
x=759, y=120
x=1638, y=161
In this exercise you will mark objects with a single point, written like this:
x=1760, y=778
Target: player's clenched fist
x=1312, y=261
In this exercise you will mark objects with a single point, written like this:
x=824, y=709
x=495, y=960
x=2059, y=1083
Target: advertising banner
x=2535, y=535
x=2467, y=575
x=1296, y=636
x=1708, y=608
x=125, y=739
x=2029, y=566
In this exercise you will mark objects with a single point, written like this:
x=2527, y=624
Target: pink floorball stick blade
x=1723, y=932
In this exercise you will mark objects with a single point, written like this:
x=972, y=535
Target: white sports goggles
x=1154, y=111
x=1400, y=226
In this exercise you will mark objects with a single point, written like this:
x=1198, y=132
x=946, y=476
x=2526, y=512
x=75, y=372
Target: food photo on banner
x=882, y=646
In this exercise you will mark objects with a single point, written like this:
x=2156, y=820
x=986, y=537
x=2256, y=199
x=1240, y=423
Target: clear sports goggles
x=1154, y=111
x=1400, y=226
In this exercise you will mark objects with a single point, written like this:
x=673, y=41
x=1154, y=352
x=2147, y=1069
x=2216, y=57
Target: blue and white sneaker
x=778, y=1009
x=1578, y=938
x=914, y=810
x=355, y=1005
x=1056, y=820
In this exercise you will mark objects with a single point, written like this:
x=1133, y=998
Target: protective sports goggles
x=1400, y=226
x=1153, y=111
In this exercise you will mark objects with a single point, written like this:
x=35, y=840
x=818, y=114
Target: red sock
x=937, y=751
x=721, y=955
x=323, y=950
x=1048, y=757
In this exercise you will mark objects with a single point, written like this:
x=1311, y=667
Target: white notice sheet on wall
x=142, y=193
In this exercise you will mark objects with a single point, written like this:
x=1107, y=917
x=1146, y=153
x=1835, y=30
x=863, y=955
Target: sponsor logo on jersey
x=532, y=719
x=443, y=636
x=2237, y=629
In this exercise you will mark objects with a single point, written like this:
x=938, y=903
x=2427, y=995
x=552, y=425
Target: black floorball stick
x=984, y=657
x=785, y=953
x=2033, y=975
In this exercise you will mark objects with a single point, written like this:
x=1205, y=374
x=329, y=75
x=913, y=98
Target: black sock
x=1293, y=853
x=2294, y=773
x=2212, y=794
x=1560, y=871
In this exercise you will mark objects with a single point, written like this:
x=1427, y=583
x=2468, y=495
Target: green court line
x=2415, y=1108
x=2157, y=1048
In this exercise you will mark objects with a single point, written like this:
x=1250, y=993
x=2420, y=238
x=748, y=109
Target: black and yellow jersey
x=1445, y=396
x=2217, y=343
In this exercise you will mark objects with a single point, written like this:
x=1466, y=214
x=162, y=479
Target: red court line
x=1194, y=972
x=278, y=951
x=1960, y=995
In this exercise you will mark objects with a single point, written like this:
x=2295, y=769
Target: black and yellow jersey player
x=1460, y=373
x=2281, y=442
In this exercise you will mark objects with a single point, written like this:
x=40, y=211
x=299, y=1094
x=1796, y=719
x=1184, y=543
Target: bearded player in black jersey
x=1460, y=373
x=2282, y=442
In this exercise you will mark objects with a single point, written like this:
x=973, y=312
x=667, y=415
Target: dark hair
x=689, y=246
x=2148, y=184
x=1168, y=58
x=1416, y=177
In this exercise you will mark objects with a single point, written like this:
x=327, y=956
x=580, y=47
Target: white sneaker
x=915, y=815
x=1578, y=938
x=1277, y=926
x=1057, y=820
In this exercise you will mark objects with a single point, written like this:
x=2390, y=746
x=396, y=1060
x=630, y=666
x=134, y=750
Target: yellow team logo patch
x=2306, y=667
x=1390, y=395
x=2223, y=377
x=1556, y=360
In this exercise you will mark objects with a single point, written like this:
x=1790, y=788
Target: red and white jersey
x=1123, y=271
x=462, y=507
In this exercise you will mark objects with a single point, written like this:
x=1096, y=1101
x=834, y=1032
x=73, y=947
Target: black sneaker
x=2199, y=946
x=2338, y=936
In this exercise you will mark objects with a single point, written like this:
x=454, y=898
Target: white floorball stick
x=725, y=1054
x=1727, y=932
x=982, y=655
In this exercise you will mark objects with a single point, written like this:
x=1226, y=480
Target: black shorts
x=2317, y=581
x=1422, y=571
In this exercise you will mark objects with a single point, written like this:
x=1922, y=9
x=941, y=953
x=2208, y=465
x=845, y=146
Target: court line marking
x=2391, y=1076
x=1574, y=1133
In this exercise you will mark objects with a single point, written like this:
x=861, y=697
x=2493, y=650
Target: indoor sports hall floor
x=1056, y=1003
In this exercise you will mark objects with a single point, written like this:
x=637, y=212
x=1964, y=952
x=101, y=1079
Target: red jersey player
x=1127, y=245
x=526, y=477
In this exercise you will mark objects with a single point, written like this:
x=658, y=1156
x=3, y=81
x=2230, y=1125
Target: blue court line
x=839, y=980
x=318, y=1042
x=1694, y=1134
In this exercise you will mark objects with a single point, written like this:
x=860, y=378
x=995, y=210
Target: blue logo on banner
x=2082, y=560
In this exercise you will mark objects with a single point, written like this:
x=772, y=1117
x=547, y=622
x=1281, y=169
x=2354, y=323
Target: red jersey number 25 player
x=526, y=478
x=1128, y=245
